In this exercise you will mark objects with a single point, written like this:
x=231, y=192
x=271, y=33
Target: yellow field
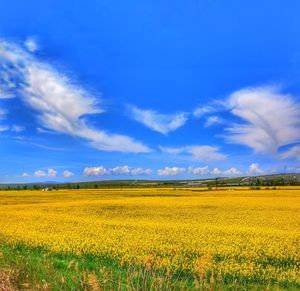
x=243, y=233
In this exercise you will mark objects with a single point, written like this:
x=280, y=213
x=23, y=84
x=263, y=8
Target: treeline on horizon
x=253, y=182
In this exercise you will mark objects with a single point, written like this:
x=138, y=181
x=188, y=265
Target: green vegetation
x=39, y=269
x=266, y=180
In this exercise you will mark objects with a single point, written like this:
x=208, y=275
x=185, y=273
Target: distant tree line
x=274, y=182
x=212, y=184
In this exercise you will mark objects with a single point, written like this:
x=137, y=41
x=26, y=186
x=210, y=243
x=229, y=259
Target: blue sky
x=148, y=89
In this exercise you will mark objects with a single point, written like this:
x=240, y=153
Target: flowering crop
x=247, y=235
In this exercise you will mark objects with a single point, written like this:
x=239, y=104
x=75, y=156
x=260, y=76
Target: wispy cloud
x=61, y=105
x=162, y=123
x=270, y=119
x=203, y=110
x=12, y=128
x=4, y=94
x=205, y=153
x=196, y=152
x=3, y=113
x=293, y=152
x=28, y=141
x=172, y=150
x=4, y=128
x=17, y=128
x=213, y=120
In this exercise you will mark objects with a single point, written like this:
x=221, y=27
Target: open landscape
x=151, y=238
x=149, y=145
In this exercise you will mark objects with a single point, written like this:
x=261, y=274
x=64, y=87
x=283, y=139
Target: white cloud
x=25, y=174
x=126, y=170
x=232, y=171
x=67, y=174
x=6, y=82
x=216, y=171
x=95, y=171
x=162, y=123
x=3, y=113
x=13, y=128
x=255, y=169
x=199, y=170
x=40, y=173
x=52, y=173
x=213, y=120
x=119, y=170
x=31, y=45
x=293, y=152
x=4, y=94
x=172, y=150
x=170, y=171
x=61, y=105
x=205, y=153
x=17, y=128
x=4, y=128
x=197, y=152
x=203, y=110
x=271, y=119
x=141, y=171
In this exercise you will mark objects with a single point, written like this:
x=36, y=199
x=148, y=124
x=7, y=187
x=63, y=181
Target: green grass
x=39, y=269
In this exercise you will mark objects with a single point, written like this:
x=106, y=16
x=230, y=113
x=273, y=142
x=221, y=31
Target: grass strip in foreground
x=39, y=269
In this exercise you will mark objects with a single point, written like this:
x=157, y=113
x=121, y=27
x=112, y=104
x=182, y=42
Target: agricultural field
x=142, y=239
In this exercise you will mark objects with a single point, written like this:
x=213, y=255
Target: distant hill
x=262, y=180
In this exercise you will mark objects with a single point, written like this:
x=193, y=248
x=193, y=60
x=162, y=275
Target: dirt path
x=5, y=284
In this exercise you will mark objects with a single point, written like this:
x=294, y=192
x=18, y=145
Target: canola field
x=234, y=236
